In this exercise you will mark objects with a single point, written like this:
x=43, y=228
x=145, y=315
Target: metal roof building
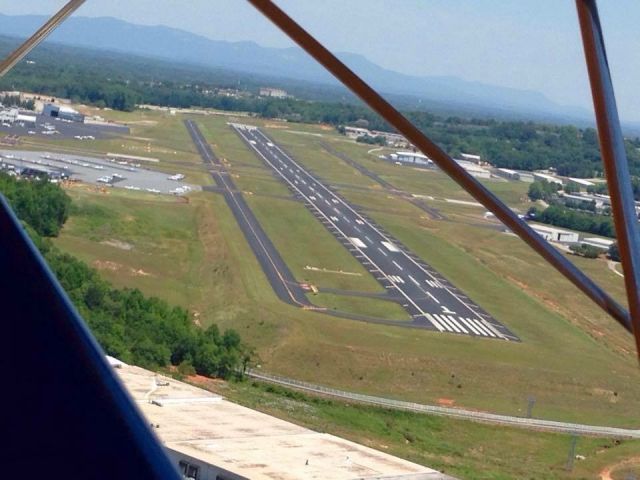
x=210, y=438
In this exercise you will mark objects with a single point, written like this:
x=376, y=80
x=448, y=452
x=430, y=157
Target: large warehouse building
x=210, y=438
x=62, y=112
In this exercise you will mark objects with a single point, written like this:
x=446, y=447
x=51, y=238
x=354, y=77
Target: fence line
x=530, y=423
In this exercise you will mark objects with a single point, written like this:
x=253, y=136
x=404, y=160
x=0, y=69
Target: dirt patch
x=446, y=402
x=116, y=267
x=610, y=395
x=275, y=125
x=117, y=244
x=610, y=471
x=106, y=265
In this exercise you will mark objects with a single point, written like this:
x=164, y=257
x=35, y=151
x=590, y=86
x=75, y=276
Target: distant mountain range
x=177, y=45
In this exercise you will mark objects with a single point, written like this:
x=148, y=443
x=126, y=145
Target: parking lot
x=99, y=171
x=47, y=126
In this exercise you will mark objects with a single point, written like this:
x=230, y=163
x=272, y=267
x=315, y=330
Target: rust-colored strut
x=466, y=181
x=614, y=156
x=42, y=33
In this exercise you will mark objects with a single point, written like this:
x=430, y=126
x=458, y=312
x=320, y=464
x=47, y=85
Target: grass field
x=372, y=307
x=464, y=449
x=574, y=360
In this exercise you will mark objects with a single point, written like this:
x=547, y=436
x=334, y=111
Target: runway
x=277, y=272
x=431, y=300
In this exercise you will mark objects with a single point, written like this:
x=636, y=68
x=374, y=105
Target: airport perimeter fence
x=530, y=423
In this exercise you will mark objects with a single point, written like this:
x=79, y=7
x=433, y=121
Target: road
x=485, y=417
x=431, y=300
x=277, y=272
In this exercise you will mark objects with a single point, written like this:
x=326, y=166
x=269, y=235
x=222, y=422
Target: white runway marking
x=390, y=246
x=445, y=309
x=357, y=242
x=414, y=280
x=445, y=321
x=396, y=279
x=492, y=328
x=382, y=251
x=394, y=262
x=485, y=331
x=455, y=322
x=470, y=326
x=434, y=322
x=432, y=297
x=368, y=239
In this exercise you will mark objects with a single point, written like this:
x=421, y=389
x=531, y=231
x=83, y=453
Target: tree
x=614, y=252
x=587, y=251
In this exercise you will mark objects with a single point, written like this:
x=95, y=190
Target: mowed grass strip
x=304, y=242
x=372, y=307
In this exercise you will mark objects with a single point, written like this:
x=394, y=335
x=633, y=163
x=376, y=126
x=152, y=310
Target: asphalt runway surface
x=431, y=300
x=280, y=277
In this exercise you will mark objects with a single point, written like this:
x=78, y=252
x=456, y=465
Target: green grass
x=425, y=182
x=574, y=359
x=365, y=306
x=304, y=242
x=461, y=448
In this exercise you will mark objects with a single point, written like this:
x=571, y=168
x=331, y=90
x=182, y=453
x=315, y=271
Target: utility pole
x=572, y=453
x=531, y=402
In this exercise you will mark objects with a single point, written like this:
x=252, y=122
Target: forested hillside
x=137, y=329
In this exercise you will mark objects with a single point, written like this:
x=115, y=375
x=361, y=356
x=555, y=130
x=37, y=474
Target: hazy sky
x=514, y=43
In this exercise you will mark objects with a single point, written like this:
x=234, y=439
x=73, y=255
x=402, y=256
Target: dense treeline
x=587, y=251
x=14, y=101
x=583, y=222
x=142, y=330
x=122, y=84
x=43, y=205
x=543, y=190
